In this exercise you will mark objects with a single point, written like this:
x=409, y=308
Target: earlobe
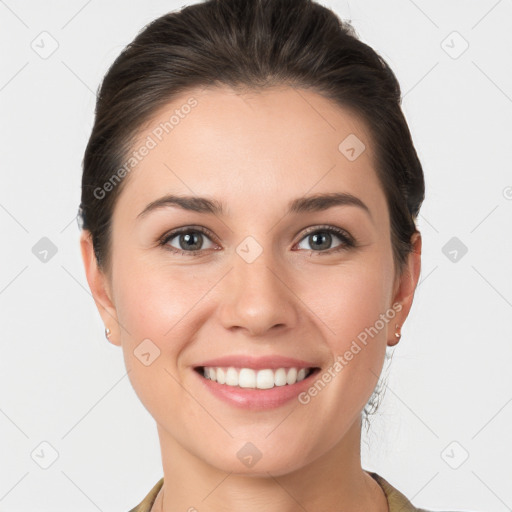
x=397, y=336
x=100, y=287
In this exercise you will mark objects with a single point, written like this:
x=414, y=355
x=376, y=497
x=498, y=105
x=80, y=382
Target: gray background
x=449, y=393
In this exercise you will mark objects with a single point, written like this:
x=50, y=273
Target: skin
x=255, y=152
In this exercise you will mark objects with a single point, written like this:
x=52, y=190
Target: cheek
x=154, y=301
x=160, y=308
x=353, y=300
x=356, y=316
x=155, y=309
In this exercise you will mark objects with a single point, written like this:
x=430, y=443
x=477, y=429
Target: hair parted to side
x=249, y=44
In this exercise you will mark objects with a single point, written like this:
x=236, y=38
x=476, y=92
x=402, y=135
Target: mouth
x=249, y=378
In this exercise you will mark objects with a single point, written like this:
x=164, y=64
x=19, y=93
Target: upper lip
x=258, y=363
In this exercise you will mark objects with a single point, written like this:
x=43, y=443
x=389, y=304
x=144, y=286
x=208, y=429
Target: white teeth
x=231, y=377
x=291, y=377
x=247, y=378
x=258, y=379
x=221, y=376
x=265, y=379
x=280, y=377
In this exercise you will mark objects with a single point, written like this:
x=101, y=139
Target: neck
x=333, y=481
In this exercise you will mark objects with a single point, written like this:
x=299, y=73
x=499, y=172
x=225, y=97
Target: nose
x=258, y=297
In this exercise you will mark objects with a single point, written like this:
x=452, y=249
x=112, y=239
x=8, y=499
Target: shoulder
x=146, y=504
x=397, y=501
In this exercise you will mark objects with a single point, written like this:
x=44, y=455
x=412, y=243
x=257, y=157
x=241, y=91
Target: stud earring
x=108, y=332
x=397, y=336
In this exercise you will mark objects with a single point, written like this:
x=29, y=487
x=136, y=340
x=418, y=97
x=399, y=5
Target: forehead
x=275, y=144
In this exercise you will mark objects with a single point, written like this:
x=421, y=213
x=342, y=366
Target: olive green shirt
x=397, y=502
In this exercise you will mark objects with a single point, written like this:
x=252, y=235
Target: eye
x=189, y=239
x=321, y=238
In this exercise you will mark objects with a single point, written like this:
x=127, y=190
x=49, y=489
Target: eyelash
x=348, y=241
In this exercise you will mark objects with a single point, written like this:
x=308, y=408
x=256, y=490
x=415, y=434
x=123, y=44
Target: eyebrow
x=313, y=203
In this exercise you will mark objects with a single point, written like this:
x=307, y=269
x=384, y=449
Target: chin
x=247, y=461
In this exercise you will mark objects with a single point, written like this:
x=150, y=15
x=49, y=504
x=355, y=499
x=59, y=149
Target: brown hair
x=249, y=44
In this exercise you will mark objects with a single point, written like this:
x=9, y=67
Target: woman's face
x=261, y=281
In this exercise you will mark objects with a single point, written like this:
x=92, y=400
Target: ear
x=405, y=286
x=100, y=287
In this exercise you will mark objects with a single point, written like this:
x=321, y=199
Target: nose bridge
x=256, y=298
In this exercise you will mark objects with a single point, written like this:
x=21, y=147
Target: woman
x=249, y=197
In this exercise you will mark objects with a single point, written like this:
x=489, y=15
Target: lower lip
x=250, y=398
